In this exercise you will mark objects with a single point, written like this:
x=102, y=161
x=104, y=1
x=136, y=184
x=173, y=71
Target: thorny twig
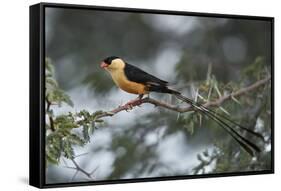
x=78, y=169
x=179, y=109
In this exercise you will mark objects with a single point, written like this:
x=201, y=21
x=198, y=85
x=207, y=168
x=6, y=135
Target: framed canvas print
x=127, y=95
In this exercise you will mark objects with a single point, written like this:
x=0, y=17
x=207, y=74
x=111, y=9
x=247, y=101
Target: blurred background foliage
x=203, y=57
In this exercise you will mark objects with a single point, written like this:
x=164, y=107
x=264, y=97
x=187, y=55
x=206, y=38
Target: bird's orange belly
x=132, y=87
x=128, y=86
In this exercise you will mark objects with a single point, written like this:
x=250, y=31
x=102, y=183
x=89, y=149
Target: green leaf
x=76, y=140
x=92, y=128
x=53, y=151
x=58, y=96
x=65, y=121
x=49, y=66
x=51, y=159
x=51, y=82
x=68, y=101
x=85, y=132
x=67, y=149
x=99, y=121
x=99, y=112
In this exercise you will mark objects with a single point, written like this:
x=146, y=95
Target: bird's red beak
x=103, y=65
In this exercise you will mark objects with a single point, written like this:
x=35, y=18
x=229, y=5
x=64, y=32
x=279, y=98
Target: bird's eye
x=108, y=60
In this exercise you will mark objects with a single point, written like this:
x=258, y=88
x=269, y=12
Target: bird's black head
x=109, y=59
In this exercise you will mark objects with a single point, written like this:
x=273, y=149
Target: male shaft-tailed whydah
x=136, y=81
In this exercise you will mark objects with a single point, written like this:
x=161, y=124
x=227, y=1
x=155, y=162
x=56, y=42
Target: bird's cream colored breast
x=122, y=82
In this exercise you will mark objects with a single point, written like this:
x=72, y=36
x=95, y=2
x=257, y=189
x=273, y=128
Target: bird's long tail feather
x=250, y=147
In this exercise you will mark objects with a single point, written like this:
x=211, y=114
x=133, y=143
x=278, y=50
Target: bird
x=134, y=80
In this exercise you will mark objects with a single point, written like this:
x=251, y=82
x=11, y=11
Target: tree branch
x=79, y=169
x=179, y=109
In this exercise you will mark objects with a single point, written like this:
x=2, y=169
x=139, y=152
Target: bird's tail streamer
x=250, y=147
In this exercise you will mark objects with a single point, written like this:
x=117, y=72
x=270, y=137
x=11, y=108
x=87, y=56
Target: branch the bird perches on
x=180, y=109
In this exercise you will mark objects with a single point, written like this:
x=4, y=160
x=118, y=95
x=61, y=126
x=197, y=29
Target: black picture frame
x=37, y=94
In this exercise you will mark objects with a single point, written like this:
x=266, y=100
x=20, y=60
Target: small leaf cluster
x=190, y=120
x=256, y=71
x=64, y=132
x=54, y=94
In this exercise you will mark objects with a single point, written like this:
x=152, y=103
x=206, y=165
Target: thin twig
x=78, y=168
x=73, y=177
x=80, y=155
x=69, y=167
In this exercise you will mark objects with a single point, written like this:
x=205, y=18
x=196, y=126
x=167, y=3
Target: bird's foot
x=131, y=104
x=128, y=107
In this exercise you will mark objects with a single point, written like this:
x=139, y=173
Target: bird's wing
x=139, y=76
